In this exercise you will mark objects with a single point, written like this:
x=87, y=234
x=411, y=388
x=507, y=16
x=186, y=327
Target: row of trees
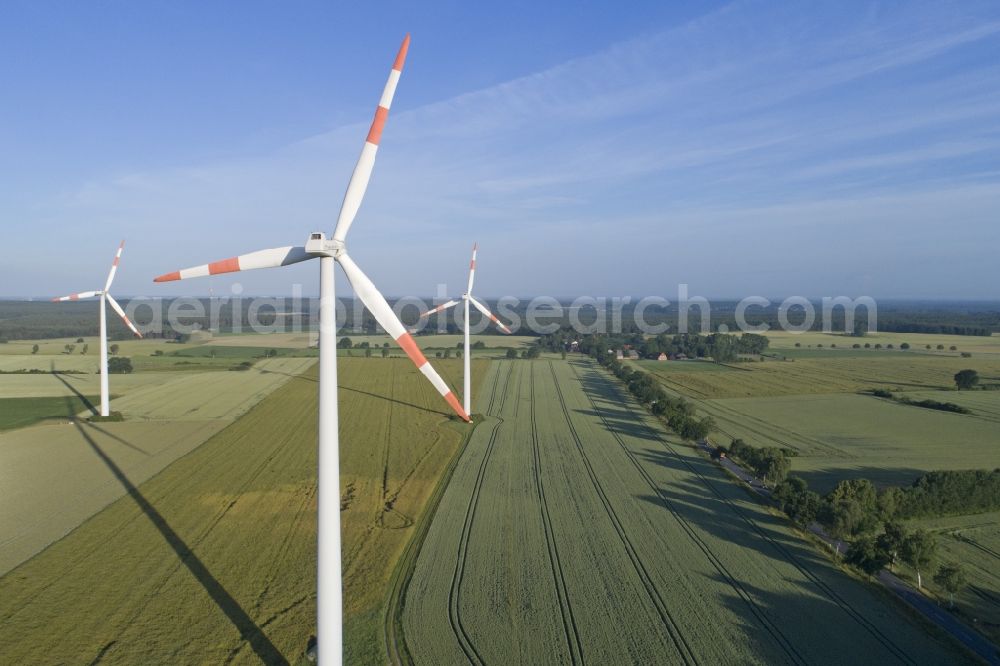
x=530, y=352
x=855, y=507
x=769, y=464
x=722, y=347
x=854, y=511
x=675, y=411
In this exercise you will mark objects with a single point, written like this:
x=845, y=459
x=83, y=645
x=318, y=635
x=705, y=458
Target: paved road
x=967, y=636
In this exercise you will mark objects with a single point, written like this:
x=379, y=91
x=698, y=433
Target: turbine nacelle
x=319, y=245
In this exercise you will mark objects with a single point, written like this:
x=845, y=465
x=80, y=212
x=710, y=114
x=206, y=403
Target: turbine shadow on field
x=115, y=437
x=342, y=387
x=249, y=630
x=76, y=392
x=388, y=399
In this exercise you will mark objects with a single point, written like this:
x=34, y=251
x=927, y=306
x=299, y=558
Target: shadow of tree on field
x=249, y=631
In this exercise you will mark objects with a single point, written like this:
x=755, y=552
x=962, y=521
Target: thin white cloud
x=753, y=108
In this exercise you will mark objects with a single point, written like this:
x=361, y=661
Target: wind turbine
x=467, y=298
x=105, y=296
x=329, y=604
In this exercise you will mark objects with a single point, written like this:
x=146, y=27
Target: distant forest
x=43, y=319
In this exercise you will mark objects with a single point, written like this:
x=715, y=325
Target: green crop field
x=212, y=560
x=209, y=395
x=20, y=412
x=917, y=341
x=575, y=529
x=811, y=404
x=836, y=372
x=849, y=436
x=973, y=541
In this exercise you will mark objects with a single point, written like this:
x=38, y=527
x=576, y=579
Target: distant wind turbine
x=105, y=296
x=329, y=604
x=468, y=298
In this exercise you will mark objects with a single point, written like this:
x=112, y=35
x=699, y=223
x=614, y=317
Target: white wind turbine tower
x=466, y=299
x=329, y=604
x=105, y=296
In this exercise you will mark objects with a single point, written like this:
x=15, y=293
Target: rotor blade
x=114, y=266
x=443, y=306
x=472, y=268
x=279, y=256
x=482, y=308
x=76, y=297
x=376, y=303
x=121, y=313
x=363, y=170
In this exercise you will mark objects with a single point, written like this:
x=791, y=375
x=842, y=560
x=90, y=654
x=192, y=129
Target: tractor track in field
x=454, y=615
x=770, y=627
x=790, y=557
x=573, y=643
x=975, y=544
x=985, y=595
x=673, y=630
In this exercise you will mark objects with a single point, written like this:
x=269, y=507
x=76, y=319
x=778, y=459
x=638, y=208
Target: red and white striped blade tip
x=270, y=258
x=401, y=54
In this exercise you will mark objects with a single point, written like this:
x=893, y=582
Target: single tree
x=368, y=352
x=70, y=348
x=788, y=491
x=344, y=343
x=120, y=365
x=79, y=339
x=806, y=508
x=113, y=349
x=890, y=542
x=385, y=352
x=34, y=349
x=866, y=556
x=447, y=353
x=905, y=345
x=889, y=501
x=85, y=348
x=952, y=578
x=511, y=353
x=918, y=551
x=563, y=354
x=966, y=379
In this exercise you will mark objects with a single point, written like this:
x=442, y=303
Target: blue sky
x=742, y=148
